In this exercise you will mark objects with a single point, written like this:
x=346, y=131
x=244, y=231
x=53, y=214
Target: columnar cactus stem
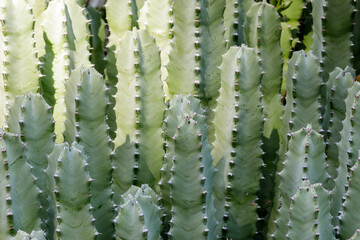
x=58, y=67
x=234, y=18
x=196, y=52
x=97, y=39
x=356, y=38
x=303, y=214
x=22, y=74
x=92, y=134
x=305, y=159
x=121, y=17
x=337, y=91
x=309, y=213
x=192, y=212
x=139, y=215
x=241, y=75
x=140, y=105
x=37, y=127
x=318, y=39
x=184, y=65
x=262, y=32
x=156, y=17
x=24, y=195
x=348, y=150
x=337, y=27
x=74, y=219
x=3, y=94
x=4, y=193
x=350, y=217
x=302, y=102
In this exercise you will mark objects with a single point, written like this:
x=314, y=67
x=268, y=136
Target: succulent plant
x=174, y=119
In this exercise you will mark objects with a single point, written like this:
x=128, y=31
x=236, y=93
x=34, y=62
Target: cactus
x=20, y=56
x=234, y=18
x=155, y=17
x=337, y=44
x=241, y=75
x=92, y=135
x=121, y=17
x=66, y=49
x=73, y=211
x=311, y=202
x=262, y=32
x=143, y=157
x=4, y=194
x=36, y=127
x=140, y=105
x=305, y=159
x=24, y=195
x=21, y=235
x=193, y=212
x=139, y=215
x=337, y=90
x=349, y=217
x=97, y=39
x=347, y=152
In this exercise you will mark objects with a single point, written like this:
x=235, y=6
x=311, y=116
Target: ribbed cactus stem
x=140, y=106
x=156, y=17
x=184, y=65
x=337, y=91
x=305, y=159
x=337, y=25
x=139, y=215
x=3, y=94
x=241, y=74
x=234, y=18
x=58, y=66
x=262, y=32
x=22, y=74
x=37, y=127
x=348, y=151
x=91, y=104
x=73, y=209
x=349, y=218
x=23, y=192
x=121, y=17
x=5, y=199
x=303, y=214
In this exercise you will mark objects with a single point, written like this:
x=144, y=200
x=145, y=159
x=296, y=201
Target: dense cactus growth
x=179, y=119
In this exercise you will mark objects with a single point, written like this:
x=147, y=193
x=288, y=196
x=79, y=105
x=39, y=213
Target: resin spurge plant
x=179, y=119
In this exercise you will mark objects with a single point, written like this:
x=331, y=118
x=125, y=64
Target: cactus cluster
x=179, y=119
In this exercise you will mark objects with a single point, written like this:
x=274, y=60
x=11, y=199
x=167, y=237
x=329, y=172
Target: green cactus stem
x=139, y=215
x=234, y=18
x=73, y=209
x=305, y=159
x=91, y=104
x=4, y=193
x=24, y=195
x=140, y=105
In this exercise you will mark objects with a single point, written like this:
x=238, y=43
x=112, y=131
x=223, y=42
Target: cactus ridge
x=73, y=208
x=23, y=192
x=349, y=216
x=234, y=18
x=93, y=136
x=22, y=69
x=139, y=215
x=305, y=160
x=337, y=90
